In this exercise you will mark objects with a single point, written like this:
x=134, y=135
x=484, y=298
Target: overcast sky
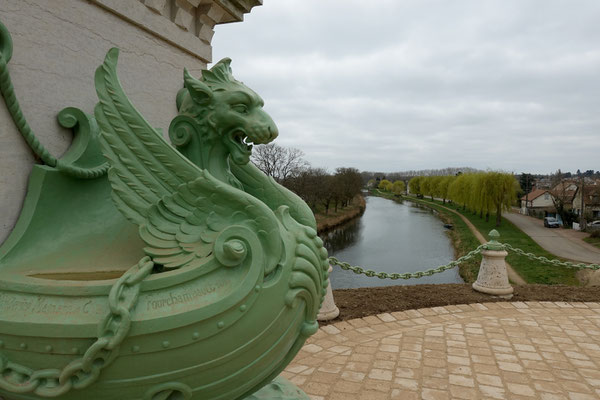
x=394, y=85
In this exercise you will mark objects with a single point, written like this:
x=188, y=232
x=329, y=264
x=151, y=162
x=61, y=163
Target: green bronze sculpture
x=228, y=273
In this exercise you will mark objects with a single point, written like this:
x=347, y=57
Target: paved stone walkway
x=531, y=350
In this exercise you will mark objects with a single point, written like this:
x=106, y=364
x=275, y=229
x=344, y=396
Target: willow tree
x=473, y=192
x=502, y=191
x=479, y=194
x=458, y=191
x=385, y=185
x=435, y=186
x=398, y=187
x=442, y=187
x=427, y=186
x=414, y=185
x=488, y=188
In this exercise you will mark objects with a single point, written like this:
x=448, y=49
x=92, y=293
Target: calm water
x=391, y=237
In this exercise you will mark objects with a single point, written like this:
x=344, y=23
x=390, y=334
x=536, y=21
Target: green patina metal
x=69, y=118
x=407, y=275
x=493, y=244
x=279, y=389
x=181, y=274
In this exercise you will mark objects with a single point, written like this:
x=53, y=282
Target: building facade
x=57, y=46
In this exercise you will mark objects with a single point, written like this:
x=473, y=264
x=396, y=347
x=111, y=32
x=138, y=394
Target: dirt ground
x=356, y=303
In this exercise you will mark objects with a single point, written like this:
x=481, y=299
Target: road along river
x=391, y=237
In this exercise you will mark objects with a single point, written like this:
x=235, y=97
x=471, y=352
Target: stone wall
x=59, y=44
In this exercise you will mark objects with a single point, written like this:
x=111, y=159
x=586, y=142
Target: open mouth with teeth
x=243, y=142
x=240, y=146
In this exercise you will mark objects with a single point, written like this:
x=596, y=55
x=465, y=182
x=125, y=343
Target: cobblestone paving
x=531, y=350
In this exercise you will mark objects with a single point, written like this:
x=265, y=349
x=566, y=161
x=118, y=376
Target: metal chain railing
x=408, y=275
x=545, y=260
x=393, y=276
x=83, y=371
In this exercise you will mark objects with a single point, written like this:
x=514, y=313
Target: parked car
x=595, y=224
x=551, y=222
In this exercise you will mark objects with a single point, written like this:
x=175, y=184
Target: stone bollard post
x=328, y=309
x=492, y=278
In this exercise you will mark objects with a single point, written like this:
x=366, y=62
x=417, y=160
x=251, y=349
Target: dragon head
x=217, y=111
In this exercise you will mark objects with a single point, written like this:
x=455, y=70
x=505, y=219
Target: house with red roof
x=538, y=201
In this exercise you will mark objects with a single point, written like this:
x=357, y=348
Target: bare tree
x=313, y=186
x=346, y=184
x=279, y=162
x=563, y=192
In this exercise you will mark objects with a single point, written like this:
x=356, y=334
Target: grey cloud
x=396, y=85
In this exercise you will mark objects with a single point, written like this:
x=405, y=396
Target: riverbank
x=513, y=276
x=333, y=219
x=532, y=271
x=461, y=237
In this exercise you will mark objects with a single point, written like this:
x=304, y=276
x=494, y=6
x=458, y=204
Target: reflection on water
x=391, y=237
x=343, y=236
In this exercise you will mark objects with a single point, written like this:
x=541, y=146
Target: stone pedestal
x=328, y=310
x=492, y=278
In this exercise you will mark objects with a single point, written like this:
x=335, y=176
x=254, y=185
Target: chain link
x=555, y=262
x=84, y=371
x=419, y=274
x=409, y=275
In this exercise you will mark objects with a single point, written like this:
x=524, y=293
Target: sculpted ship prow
x=243, y=271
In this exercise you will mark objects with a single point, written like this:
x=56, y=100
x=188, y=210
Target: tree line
x=397, y=187
x=407, y=175
x=316, y=186
x=483, y=193
x=319, y=188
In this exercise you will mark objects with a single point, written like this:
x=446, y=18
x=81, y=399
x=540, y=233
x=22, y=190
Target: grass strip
x=530, y=270
x=595, y=241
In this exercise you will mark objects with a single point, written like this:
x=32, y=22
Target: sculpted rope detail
x=394, y=276
x=8, y=93
x=84, y=371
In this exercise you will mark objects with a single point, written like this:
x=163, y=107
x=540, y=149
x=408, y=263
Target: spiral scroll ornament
x=181, y=130
x=233, y=245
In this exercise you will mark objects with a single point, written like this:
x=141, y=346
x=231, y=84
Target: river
x=391, y=237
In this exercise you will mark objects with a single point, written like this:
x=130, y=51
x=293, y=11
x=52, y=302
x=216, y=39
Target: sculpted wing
x=179, y=208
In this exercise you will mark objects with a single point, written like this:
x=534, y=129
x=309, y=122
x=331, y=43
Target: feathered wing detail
x=144, y=167
x=182, y=228
x=180, y=209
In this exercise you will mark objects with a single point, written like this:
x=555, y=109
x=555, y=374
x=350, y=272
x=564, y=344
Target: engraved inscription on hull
x=43, y=305
x=182, y=297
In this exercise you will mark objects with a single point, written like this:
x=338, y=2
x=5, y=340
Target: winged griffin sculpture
x=201, y=278
x=203, y=206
